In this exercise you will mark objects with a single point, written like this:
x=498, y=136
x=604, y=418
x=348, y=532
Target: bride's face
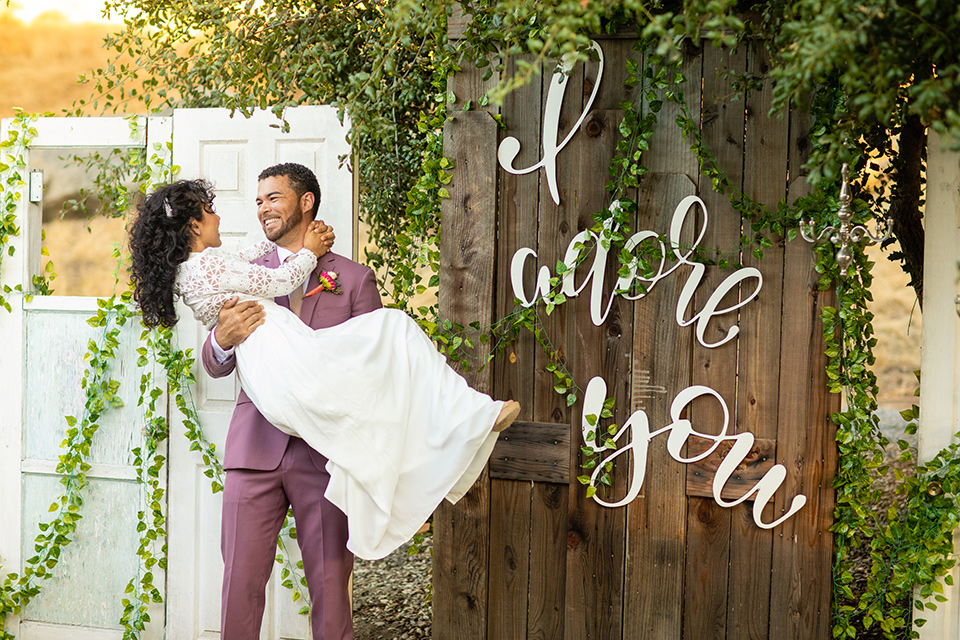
x=208, y=229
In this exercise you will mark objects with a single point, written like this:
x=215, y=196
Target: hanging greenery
x=386, y=63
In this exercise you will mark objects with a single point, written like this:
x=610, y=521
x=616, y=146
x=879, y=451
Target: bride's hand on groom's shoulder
x=237, y=321
x=327, y=236
x=316, y=238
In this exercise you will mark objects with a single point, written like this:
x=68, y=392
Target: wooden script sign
x=713, y=519
x=681, y=429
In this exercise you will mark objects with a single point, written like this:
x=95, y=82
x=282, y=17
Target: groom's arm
x=235, y=324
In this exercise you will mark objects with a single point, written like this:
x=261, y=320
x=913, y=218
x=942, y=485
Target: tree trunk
x=905, y=202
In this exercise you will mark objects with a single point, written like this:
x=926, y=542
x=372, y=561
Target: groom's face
x=280, y=212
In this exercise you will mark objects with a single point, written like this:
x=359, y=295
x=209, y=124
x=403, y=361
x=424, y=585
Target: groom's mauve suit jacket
x=252, y=442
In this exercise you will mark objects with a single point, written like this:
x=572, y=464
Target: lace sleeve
x=234, y=275
x=254, y=251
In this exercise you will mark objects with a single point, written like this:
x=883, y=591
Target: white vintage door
x=231, y=152
x=940, y=364
x=41, y=366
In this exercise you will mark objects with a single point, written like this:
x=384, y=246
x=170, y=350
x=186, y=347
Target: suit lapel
x=326, y=263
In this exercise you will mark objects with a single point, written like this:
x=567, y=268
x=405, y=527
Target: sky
x=74, y=10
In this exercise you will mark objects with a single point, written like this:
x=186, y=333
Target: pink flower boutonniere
x=328, y=282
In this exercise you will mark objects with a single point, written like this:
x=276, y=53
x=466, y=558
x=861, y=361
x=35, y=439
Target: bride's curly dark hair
x=160, y=241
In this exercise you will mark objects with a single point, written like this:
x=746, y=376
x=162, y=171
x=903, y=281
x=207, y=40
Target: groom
x=267, y=470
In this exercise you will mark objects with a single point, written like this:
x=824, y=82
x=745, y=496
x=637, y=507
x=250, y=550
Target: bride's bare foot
x=508, y=413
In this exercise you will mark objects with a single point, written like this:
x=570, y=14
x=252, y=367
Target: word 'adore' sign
x=680, y=429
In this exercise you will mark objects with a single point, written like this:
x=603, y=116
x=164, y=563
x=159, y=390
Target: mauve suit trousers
x=268, y=471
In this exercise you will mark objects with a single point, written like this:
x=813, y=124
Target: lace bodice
x=210, y=278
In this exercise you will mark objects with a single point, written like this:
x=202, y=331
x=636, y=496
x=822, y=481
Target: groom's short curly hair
x=301, y=179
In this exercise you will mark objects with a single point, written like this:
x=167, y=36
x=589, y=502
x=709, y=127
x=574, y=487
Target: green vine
x=100, y=391
x=12, y=181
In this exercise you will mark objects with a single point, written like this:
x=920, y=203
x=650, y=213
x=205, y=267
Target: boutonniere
x=328, y=282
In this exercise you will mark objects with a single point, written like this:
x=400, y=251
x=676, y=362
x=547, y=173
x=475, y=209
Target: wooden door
x=527, y=554
x=231, y=152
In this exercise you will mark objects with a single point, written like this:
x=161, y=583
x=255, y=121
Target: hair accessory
x=167, y=208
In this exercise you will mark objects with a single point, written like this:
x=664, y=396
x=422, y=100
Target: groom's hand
x=237, y=321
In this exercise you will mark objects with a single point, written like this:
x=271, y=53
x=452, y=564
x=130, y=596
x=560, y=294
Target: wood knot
x=705, y=512
x=594, y=127
x=564, y=227
x=573, y=539
x=614, y=331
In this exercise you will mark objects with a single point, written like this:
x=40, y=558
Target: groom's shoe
x=508, y=413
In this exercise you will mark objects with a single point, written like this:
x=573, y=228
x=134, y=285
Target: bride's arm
x=237, y=276
x=254, y=251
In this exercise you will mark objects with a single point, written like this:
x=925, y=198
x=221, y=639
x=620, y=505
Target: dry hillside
x=41, y=63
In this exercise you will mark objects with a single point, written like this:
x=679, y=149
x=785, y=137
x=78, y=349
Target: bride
x=400, y=428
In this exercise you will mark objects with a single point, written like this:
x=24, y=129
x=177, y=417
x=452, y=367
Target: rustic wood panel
x=764, y=180
x=656, y=522
x=526, y=554
x=513, y=370
x=708, y=524
x=558, y=225
x=806, y=439
x=595, y=559
x=461, y=558
x=533, y=452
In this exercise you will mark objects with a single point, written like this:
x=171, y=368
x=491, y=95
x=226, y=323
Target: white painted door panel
x=41, y=366
x=940, y=349
x=231, y=152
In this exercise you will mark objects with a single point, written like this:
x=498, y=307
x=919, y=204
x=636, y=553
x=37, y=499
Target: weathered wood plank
x=533, y=451
x=764, y=181
x=595, y=560
x=509, y=559
x=700, y=480
x=457, y=22
x=613, y=88
x=558, y=225
x=515, y=457
x=806, y=439
x=708, y=525
x=461, y=558
x=548, y=548
x=657, y=520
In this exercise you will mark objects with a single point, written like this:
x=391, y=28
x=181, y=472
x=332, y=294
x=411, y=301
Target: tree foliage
x=882, y=71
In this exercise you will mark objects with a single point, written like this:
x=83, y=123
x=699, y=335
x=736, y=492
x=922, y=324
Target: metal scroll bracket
x=847, y=235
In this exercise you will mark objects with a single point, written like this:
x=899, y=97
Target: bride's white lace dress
x=401, y=429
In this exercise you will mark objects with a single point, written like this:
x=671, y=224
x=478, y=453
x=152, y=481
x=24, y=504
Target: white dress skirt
x=400, y=428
